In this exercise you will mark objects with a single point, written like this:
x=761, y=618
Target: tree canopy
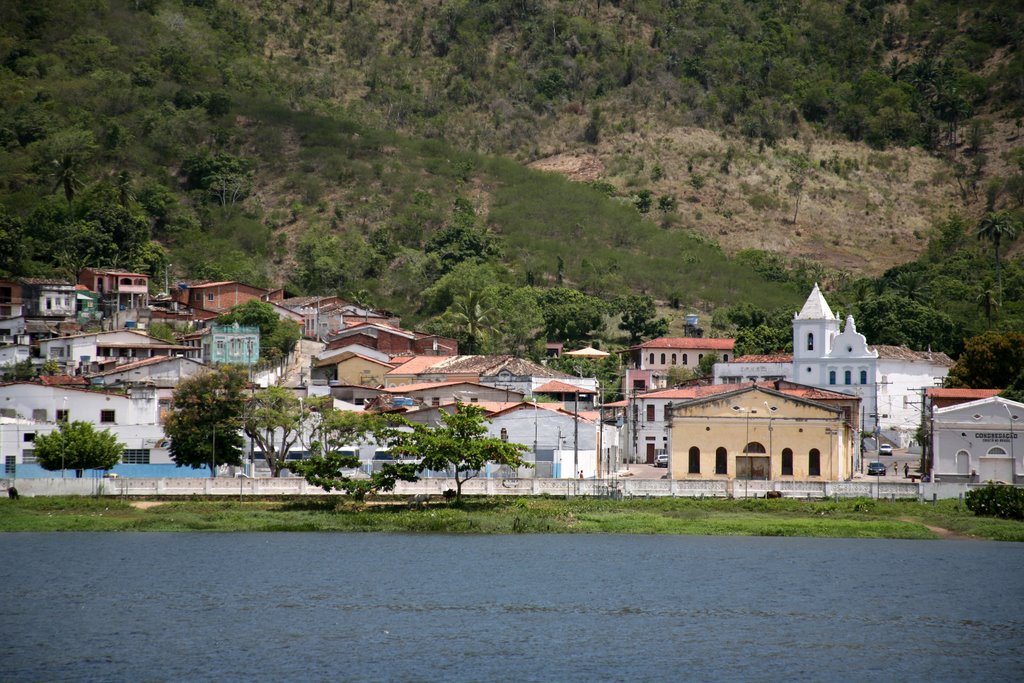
x=77, y=446
x=993, y=360
x=204, y=423
x=458, y=445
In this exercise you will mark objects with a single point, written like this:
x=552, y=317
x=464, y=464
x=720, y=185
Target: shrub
x=996, y=500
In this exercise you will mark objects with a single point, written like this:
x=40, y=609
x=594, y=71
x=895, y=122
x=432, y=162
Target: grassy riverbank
x=858, y=518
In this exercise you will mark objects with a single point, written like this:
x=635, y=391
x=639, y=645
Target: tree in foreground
x=333, y=470
x=204, y=422
x=77, y=446
x=272, y=419
x=459, y=444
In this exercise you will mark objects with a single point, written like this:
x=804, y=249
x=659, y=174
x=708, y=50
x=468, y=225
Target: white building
x=561, y=445
x=889, y=380
x=88, y=351
x=979, y=441
x=754, y=368
x=30, y=409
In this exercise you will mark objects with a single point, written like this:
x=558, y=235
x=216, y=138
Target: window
x=220, y=347
x=662, y=359
x=28, y=437
x=62, y=416
x=28, y=456
x=685, y=359
x=504, y=434
x=135, y=456
x=9, y=464
x=694, y=460
x=787, y=462
x=674, y=359
x=652, y=359
x=650, y=413
x=435, y=401
x=700, y=356
x=210, y=296
x=106, y=417
x=847, y=377
x=810, y=341
x=725, y=358
x=831, y=376
x=721, y=461
x=814, y=463
x=754, y=447
x=667, y=414
x=863, y=376
x=39, y=414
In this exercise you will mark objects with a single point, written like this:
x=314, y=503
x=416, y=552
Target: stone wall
x=614, y=488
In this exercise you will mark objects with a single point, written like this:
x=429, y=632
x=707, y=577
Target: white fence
x=602, y=488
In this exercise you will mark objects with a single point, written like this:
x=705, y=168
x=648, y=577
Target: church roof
x=886, y=351
x=815, y=308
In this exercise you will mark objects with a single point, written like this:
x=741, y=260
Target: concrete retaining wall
x=606, y=488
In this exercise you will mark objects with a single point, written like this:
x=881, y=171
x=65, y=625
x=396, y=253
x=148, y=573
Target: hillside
x=719, y=152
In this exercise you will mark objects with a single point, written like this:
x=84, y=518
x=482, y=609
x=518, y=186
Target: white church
x=890, y=380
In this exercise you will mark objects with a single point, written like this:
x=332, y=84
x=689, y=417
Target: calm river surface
x=368, y=607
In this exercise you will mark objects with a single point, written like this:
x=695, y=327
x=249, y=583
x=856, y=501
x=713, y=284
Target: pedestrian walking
x=895, y=469
x=906, y=470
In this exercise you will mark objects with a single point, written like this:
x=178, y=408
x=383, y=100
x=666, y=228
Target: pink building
x=119, y=290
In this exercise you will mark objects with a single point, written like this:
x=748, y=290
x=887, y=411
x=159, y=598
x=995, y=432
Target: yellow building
x=357, y=369
x=759, y=433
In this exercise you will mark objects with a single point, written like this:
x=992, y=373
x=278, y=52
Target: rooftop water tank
x=692, y=319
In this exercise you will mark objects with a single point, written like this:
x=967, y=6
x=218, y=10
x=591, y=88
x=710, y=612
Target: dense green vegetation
x=856, y=518
x=336, y=148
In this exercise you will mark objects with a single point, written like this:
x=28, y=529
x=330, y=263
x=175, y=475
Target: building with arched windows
x=889, y=380
x=759, y=433
x=979, y=441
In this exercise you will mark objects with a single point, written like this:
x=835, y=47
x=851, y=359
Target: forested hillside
x=719, y=152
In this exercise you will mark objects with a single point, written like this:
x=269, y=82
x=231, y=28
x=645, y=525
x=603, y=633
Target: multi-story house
x=649, y=363
x=28, y=409
x=235, y=344
x=119, y=290
x=47, y=298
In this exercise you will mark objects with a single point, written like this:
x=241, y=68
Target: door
x=650, y=454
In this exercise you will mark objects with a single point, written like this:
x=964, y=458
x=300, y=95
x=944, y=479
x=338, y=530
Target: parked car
x=885, y=449
x=876, y=469
x=661, y=460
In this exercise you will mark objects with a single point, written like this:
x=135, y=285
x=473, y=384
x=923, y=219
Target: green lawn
x=857, y=518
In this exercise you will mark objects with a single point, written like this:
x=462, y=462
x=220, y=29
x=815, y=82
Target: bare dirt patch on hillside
x=861, y=210
x=581, y=167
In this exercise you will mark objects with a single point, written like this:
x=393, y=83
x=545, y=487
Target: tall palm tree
x=995, y=226
x=473, y=313
x=987, y=302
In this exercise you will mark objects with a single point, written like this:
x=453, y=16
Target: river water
x=373, y=607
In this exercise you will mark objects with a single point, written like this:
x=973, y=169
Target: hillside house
x=119, y=290
x=648, y=364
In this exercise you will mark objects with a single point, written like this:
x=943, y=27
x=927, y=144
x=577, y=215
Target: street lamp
x=63, y=437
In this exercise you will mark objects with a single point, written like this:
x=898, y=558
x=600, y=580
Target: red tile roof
x=778, y=358
x=416, y=364
x=556, y=387
x=63, y=381
x=969, y=394
x=687, y=343
x=694, y=392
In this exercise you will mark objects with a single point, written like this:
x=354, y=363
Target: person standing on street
x=895, y=469
x=906, y=470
